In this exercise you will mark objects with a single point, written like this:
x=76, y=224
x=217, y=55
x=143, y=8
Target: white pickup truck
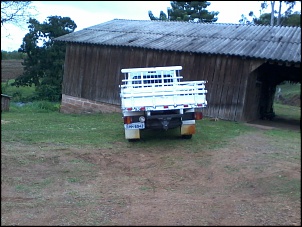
x=156, y=98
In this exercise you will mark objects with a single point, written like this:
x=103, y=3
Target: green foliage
x=35, y=107
x=19, y=94
x=288, y=18
x=194, y=11
x=43, y=66
x=8, y=55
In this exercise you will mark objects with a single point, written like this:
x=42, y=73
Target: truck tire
x=133, y=140
x=186, y=136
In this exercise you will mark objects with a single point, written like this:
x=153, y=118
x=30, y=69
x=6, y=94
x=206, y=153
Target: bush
x=36, y=106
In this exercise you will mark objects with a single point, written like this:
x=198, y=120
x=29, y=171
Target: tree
x=15, y=12
x=194, y=11
x=43, y=66
x=287, y=18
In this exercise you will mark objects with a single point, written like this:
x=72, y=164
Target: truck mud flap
x=132, y=134
x=187, y=129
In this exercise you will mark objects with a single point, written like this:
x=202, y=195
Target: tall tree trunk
x=272, y=12
x=279, y=13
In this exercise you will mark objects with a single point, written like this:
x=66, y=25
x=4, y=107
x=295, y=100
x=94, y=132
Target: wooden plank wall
x=94, y=72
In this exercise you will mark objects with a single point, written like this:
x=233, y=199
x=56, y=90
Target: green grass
x=38, y=123
x=287, y=112
x=18, y=94
x=290, y=89
x=35, y=126
x=41, y=122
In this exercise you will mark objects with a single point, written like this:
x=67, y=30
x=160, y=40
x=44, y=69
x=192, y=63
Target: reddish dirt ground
x=243, y=183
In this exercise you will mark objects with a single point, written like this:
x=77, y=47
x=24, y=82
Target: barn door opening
x=269, y=78
x=266, y=98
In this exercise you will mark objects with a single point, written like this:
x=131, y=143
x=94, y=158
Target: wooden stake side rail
x=163, y=89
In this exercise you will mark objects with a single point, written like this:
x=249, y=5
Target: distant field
x=11, y=69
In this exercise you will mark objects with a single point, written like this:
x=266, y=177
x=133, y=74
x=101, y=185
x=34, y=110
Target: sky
x=89, y=13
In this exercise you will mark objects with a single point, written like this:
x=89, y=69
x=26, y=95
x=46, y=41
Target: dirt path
x=250, y=182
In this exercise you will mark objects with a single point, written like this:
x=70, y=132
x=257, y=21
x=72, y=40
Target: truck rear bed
x=153, y=90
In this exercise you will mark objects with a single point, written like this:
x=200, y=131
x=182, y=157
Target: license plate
x=137, y=125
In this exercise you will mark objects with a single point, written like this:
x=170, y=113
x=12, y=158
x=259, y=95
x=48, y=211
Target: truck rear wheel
x=133, y=140
x=186, y=136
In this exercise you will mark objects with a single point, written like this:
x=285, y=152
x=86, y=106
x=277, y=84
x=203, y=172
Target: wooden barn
x=242, y=63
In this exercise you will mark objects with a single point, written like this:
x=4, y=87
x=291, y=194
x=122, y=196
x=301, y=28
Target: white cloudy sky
x=89, y=13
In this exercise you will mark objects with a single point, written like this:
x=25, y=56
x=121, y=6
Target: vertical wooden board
x=94, y=72
x=118, y=76
x=149, y=60
x=232, y=81
x=188, y=66
x=164, y=58
x=251, y=101
x=82, y=67
x=231, y=73
x=67, y=70
x=212, y=84
x=159, y=58
x=224, y=89
x=137, y=58
x=134, y=58
x=209, y=77
x=107, y=76
x=242, y=93
x=113, y=74
x=97, y=73
x=77, y=82
x=212, y=70
x=172, y=59
x=217, y=87
x=178, y=61
x=156, y=59
x=237, y=86
x=195, y=67
x=127, y=57
x=109, y=62
x=102, y=73
x=74, y=76
x=87, y=76
x=109, y=73
x=202, y=67
x=204, y=75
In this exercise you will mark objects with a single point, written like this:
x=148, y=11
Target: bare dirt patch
x=247, y=182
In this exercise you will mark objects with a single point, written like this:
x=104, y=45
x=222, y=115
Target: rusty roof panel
x=256, y=41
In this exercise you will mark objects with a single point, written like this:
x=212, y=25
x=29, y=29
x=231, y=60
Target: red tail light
x=199, y=104
x=198, y=115
x=127, y=120
x=166, y=107
x=186, y=105
x=129, y=108
x=143, y=108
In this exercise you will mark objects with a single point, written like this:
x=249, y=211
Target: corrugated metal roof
x=255, y=41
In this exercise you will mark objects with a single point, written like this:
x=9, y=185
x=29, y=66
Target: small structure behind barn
x=5, y=101
x=243, y=64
